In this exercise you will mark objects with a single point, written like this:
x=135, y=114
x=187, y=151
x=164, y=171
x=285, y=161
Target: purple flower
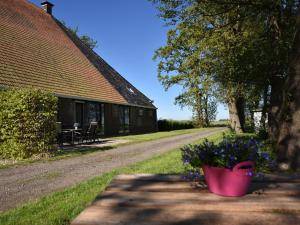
x=249, y=173
x=265, y=156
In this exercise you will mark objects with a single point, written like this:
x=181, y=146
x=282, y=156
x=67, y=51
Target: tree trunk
x=288, y=141
x=206, y=119
x=274, y=109
x=236, y=114
x=198, y=115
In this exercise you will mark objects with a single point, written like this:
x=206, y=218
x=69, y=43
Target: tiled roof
x=37, y=51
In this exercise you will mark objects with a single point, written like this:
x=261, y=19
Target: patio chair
x=90, y=134
x=78, y=134
x=98, y=134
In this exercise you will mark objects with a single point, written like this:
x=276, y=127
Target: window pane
x=124, y=119
x=92, y=112
x=102, y=119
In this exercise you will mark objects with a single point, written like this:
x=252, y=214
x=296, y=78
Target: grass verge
x=61, y=207
x=83, y=151
x=159, y=135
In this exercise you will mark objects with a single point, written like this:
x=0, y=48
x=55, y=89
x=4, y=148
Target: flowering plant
x=226, y=154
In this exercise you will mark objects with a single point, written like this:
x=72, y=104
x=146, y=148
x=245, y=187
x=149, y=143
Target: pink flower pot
x=227, y=182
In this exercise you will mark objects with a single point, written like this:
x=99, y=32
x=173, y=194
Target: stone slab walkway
x=27, y=182
x=168, y=200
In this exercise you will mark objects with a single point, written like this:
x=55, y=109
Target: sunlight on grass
x=158, y=135
x=61, y=207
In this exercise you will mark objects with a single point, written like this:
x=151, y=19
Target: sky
x=128, y=33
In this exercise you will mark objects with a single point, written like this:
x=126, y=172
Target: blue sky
x=128, y=32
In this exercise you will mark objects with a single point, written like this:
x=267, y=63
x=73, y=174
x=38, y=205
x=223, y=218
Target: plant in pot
x=228, y=167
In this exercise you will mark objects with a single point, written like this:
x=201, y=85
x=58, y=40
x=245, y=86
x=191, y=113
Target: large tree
x=209, y=40
x=244, y=44
x=288, y=142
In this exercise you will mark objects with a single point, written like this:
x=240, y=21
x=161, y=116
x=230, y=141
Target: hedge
x=166, y=125
x=27, y=123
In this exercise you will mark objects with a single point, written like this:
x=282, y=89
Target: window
x=95, y=113
x=102, y=119
x=124, y=119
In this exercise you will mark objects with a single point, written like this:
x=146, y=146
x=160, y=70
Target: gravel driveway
x=23, y=183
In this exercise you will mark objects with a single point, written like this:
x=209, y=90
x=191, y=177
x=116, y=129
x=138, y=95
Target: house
x=37, y=50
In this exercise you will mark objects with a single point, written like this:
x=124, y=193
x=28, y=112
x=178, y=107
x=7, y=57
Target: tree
x=288, y=141
x=246, y=44
x=88, y=41
x=180, y=64
x=281, y=24
x=200, y=45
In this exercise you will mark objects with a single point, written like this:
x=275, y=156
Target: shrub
x=27, y=123
x=167, y=125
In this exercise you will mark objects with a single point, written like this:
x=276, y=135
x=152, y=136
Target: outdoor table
x=72, y=131
x=150, y=199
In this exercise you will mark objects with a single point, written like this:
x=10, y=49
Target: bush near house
x=27, y=123
x=166, y=125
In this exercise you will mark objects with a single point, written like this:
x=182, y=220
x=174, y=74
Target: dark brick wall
x=142, y=120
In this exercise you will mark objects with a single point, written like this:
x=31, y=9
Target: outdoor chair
x=98, y=134
x=78, y=135
x=90, y=134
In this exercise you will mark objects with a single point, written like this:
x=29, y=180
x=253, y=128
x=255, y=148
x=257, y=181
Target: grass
x=58, y=156
x=130, y=138
x=220, y=123
x=159, y=135
x=61, y=207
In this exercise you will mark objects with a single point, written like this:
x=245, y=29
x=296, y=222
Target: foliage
x=87, y=40
x=167, y=125
x=27, y=122
x=239, y=46
x=226, y=154
x=220, y=123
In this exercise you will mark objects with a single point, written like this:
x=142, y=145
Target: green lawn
x=131, y=138
x=158, y=135
x=60, y=207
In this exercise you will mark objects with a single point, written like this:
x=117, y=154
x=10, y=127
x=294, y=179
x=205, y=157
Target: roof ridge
x=92, y=56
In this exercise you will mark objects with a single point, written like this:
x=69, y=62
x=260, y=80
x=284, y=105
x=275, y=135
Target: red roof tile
x=37, y=51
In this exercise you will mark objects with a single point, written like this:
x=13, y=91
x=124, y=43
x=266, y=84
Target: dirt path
x=22, y=183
